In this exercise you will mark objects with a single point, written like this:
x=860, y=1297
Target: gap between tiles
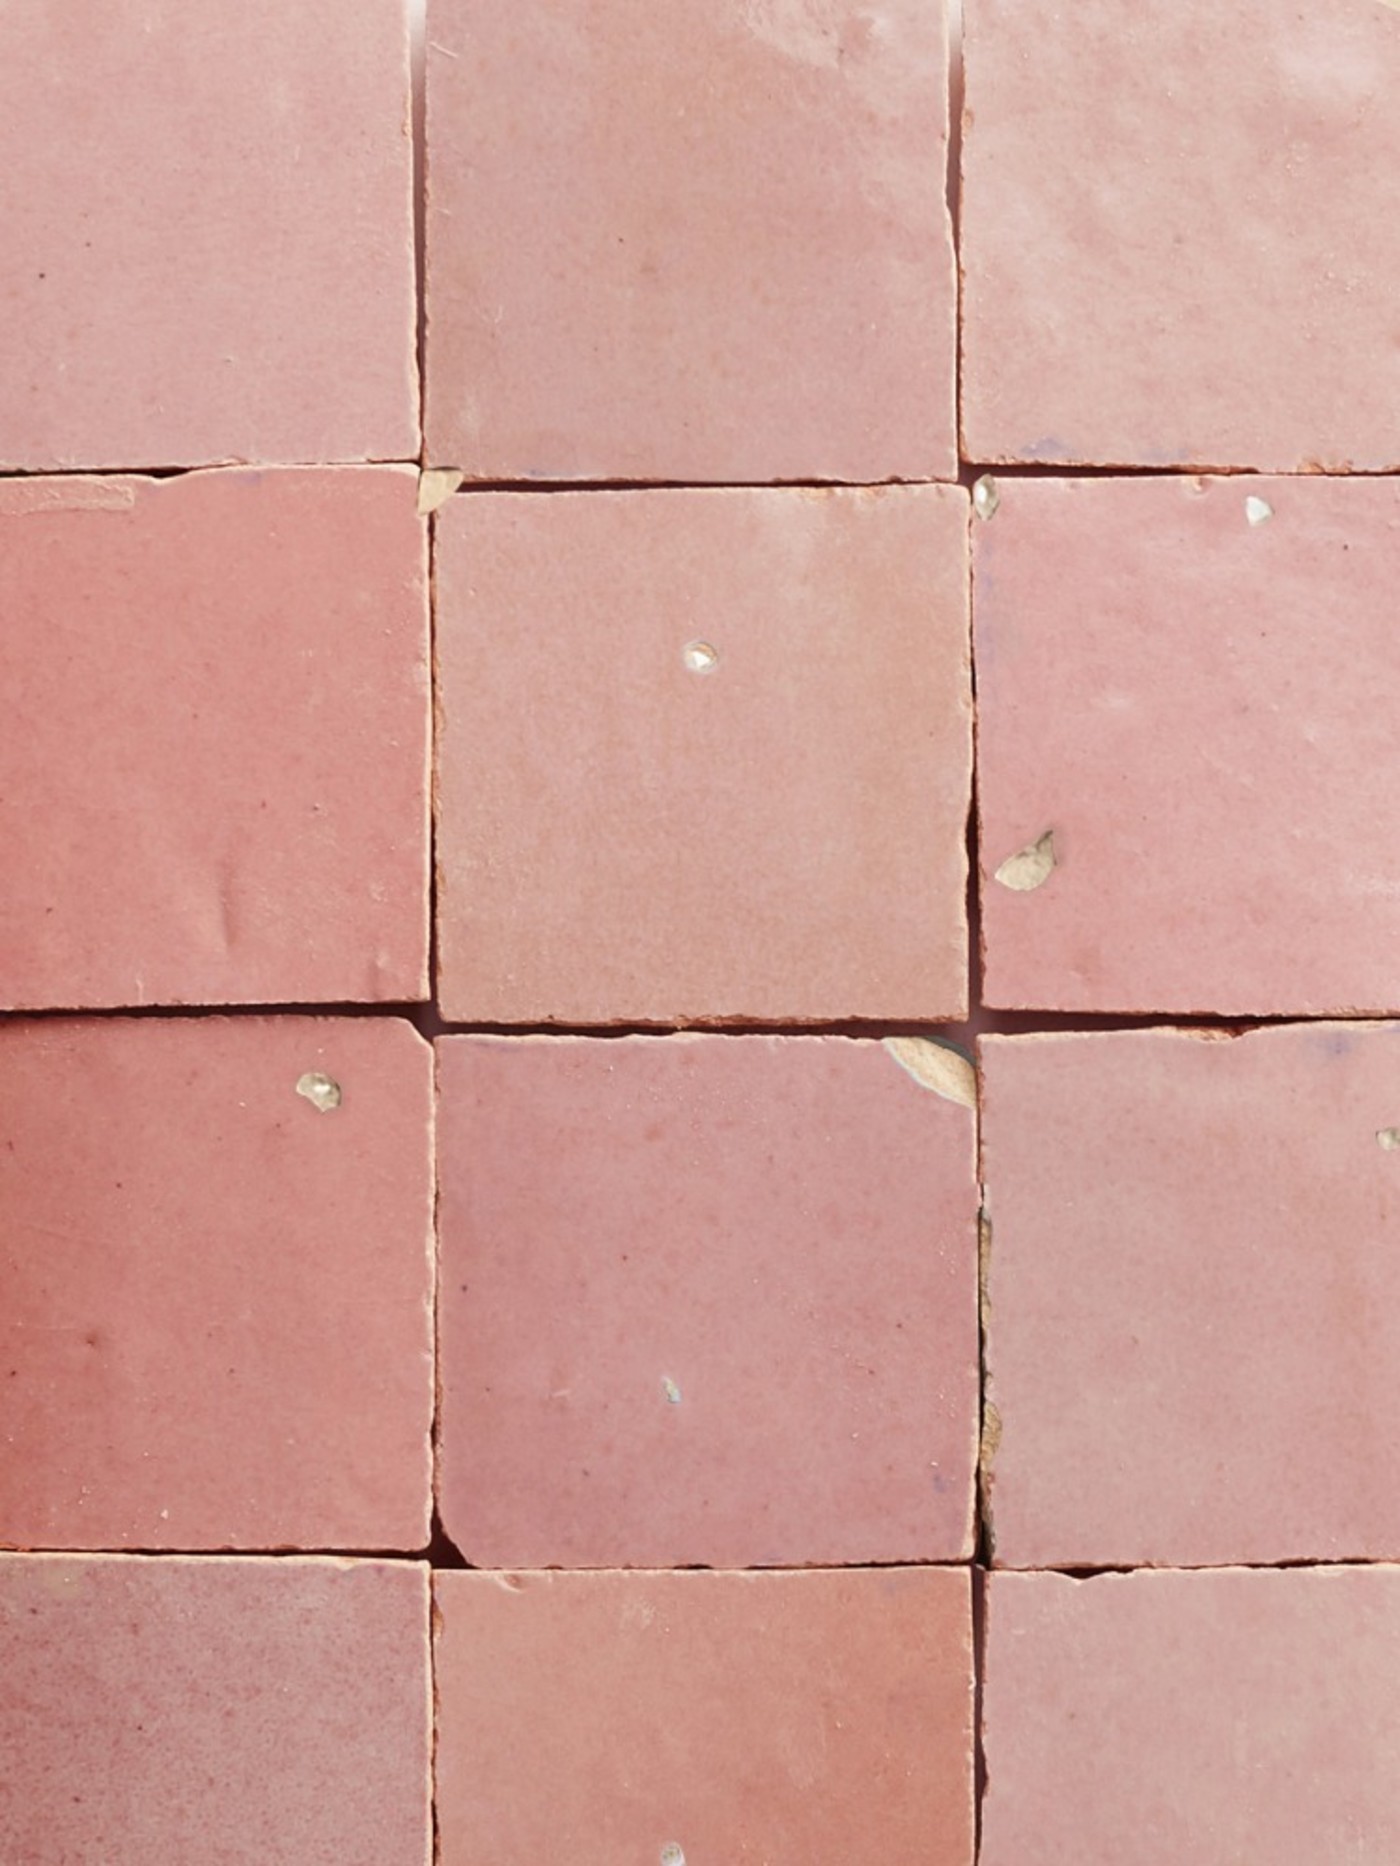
x=26, y=474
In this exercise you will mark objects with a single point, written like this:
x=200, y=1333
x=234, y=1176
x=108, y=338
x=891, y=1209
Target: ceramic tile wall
x=609, y=1247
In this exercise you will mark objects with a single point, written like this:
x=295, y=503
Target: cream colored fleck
x=936, y=1066
x=1029, y=868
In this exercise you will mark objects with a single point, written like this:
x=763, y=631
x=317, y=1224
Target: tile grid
x=428, y=1021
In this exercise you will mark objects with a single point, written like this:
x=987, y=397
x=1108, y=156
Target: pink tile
x=1180, y=233
x=689, y=243
x=704, y=756
x=216, y=1279
x=1194, y=1295
x=675, y=1719
x=208, y=234
x=216, y=762
x=1186, y=685
x=1214, y=1718
x=201, y=1708
x=704, y=1300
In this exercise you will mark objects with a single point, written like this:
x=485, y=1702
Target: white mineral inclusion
x=672, y=1855
x=1258, y=511
x=321, y=1091
x=986, y=497
x=700, y=657
x=1029, y=868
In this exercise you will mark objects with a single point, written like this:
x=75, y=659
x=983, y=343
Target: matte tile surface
x=1194, y=1295
x=1187, y=686
x=796, y=1719
x=206, y=234
x=704, y=1300
x=682, y=242
x=216, y=1283
x=1207, y=1717
x=213, y=781
x=257, y=1713
x=1180, y=233
x=705, y=755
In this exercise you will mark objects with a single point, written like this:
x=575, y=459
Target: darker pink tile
x=216, y=763
x=216, y=1279
x=1178, y=233
x=1194, y=1295
x=257, y=1713
x=689, y=243
x=1186, y=685
x=704, y=1300
x=675, y=1719
x=1215, y=1718
x=704, y=755
x=207, y=227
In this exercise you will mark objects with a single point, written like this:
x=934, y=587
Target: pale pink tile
x=257, y=1713
x=1193, y=1295
x=705, y=1300
x=675, y=1719
x=1180, y=233
x=216, y=1282
x=213, y=783
x=1214, y=1718
x=207, y=231
x=689, y=243
x=704, y=755
x=1186, y=684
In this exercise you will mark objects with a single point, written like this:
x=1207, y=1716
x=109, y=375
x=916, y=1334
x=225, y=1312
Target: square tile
x=216, y=770
x=1180, y=234
x=682, y=1718
x=216, y=1270
x=705, y=1300
x=204, y=1708
x=1244, y=1715
x=704, y=756
x=207, y=226
x=1185, y=727
x=670, y=242
x=1193, y=1295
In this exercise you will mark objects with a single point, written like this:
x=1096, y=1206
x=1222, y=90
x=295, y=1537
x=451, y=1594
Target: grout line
x=561, y=486
x=442, y=1556
x=418, y=122
x=23, y=475
x=435, y=1709
x=971, y=470
x=979, y=1688
x=426, y=1016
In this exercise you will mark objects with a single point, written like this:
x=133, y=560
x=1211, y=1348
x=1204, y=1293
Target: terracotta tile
x=1179, y=233
x=1194, y=1292
x=704, y=756
x=202, y=1708
x=1206, y=1717
x=1185, y=684
x=689, y=243
x=631, y=1375
x=216, y=1282
x=217, y=758
x=673, y=1718
x=208, y=234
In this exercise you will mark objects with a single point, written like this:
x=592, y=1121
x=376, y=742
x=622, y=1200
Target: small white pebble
x=986, y=497
x=321, y=1091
